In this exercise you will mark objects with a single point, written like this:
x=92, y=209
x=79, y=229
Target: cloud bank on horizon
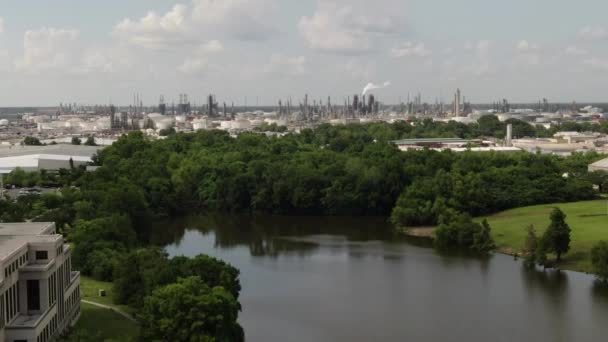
x=272, y=49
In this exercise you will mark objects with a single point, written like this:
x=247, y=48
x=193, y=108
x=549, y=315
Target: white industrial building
x=50, y=157
x=39, y=292
x=601, y=165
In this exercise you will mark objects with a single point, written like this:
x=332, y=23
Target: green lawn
x=588, y=221
x=99, y=324
x=90, y=291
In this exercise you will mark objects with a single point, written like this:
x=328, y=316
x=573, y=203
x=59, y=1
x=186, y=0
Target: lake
x=351, y=279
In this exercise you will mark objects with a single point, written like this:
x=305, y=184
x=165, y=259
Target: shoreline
x=428, y=233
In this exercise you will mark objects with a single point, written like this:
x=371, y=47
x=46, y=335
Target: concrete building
x=39, y=292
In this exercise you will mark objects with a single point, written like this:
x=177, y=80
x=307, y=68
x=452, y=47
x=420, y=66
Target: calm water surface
x=341, y=279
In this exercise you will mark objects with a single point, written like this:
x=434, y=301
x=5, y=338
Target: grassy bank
x=101, y=324
x=588, y=221
x=90, y=291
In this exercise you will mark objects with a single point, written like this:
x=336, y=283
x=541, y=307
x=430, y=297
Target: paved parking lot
x=14, y=193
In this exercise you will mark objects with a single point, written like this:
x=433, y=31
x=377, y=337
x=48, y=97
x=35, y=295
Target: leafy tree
x=531, y=246
x=103, y=262
x=90, y=141
x=31, y=141
x=482, y=238
x=166, y=131
x=76, y=141
x=490, y=126
x=22, y=178
x=557, y=235
x=112, y=232
x=212, y=271
x=190, y=310
x=599, y=179
x=599, y=260
x=457, y=230
x=139, y=273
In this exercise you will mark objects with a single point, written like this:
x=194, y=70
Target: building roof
x=59, y=149
x=601, y=165
x=51, y=156
x=14, y=236
x=432, y=140
x=25, y=228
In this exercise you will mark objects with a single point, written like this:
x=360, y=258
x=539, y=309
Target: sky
x=260, y=51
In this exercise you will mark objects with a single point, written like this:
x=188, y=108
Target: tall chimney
x=509, y=140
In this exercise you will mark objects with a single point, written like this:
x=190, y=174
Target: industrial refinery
x=105, y=123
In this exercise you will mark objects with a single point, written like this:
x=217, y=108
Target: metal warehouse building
x=50, y=157
x=601, y=165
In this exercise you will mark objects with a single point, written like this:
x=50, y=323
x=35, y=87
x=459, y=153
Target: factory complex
x=59, y=127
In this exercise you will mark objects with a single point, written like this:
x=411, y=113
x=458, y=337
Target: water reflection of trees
x=551, y=283
x=552, y=286
x=271, y=235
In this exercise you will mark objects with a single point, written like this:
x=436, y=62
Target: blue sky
x=104, y=51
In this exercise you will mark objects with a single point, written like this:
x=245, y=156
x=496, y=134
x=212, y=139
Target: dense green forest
x=331, y=170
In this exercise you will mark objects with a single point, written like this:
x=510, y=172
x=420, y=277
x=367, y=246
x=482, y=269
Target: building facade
x=39, y=292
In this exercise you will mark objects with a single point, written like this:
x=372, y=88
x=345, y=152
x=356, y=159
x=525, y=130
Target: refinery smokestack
x=509, y=140
x=371, y=86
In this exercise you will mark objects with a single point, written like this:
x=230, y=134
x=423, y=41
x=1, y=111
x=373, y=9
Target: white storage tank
x=225, y=124
x=200, y=124
x=241, y=124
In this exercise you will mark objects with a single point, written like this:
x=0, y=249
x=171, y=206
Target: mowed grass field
x=101, y=324
x=90, y=291
x=588, y=221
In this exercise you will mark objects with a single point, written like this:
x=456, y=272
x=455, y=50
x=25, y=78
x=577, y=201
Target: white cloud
x=344, y=27
x=212, y=46
x=4, y=61
x=593, y=33
x=280, y=64
x=95, y=60
x=198, y=62
x=523, y=46
x=527, y=55
x=236, y=19
x=596, y=64
x=481, y=61
x=411, y=50
x=47, y=48
x=576, y=51
x=190, y=25
x=356, y=69
x=1, y=25
x=155, y=31
x=194, y=66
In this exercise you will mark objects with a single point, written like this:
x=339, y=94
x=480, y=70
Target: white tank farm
x=278, y=122
x=241, y=124
x=200, y=124
x=163, y=123
x=256, y=123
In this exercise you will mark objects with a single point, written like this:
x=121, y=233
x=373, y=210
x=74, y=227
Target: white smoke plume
x=371, y=86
